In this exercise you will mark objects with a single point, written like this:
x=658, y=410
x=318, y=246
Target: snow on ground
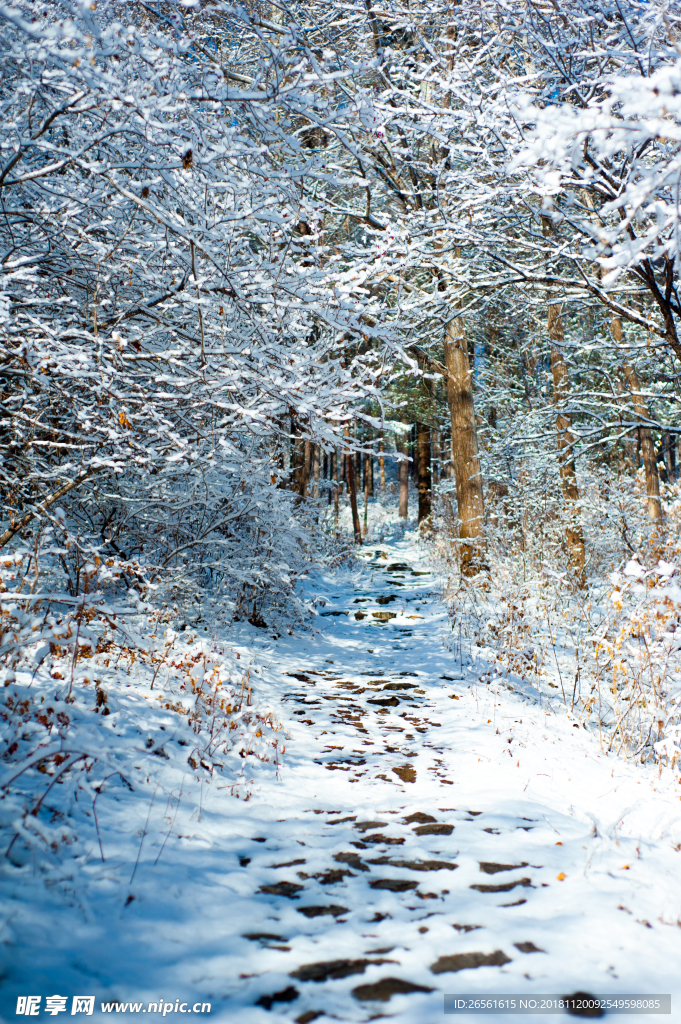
x=427, y=833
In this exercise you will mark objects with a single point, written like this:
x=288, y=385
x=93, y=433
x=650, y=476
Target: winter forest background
x=269, y=267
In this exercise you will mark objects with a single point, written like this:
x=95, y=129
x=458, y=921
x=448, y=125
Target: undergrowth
x=607, y=654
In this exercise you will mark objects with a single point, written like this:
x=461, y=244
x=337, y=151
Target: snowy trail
x=434, y=834
x=429, y=834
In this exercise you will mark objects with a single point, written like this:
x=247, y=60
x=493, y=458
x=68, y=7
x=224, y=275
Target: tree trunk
x=465, y=459
x=435, y=447
x=670, y=456
x=423, y=459
x=301, y=463
x=298, y=465
x=574, y=534
x=403, y=476
x=645, y=434
x=336, y=490
x=382, y=466
x=413, y=456
x=307, y=467
x=316, y=470
x=367, y=489
x=357, y=529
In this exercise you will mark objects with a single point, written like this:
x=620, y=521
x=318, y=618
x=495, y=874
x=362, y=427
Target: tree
x=170, y=297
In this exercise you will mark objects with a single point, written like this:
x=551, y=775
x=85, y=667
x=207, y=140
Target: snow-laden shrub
x=608, y=654
x=639, y=653
x=102, y=699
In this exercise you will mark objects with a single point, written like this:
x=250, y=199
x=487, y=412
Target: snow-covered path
x=429, y=833
x=435, y=834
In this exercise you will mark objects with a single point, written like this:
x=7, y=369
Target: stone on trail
x=287, y=995
x=333, y=969
x=351, y=859
x=288, y=889
x=387, y=840
x=434, y=830
x=490, y=868
x=506, y=887
x=393, y=884
x=333, y=911
x=332, y=876
x=466, y=961
x=417, y=865
x=381, y=991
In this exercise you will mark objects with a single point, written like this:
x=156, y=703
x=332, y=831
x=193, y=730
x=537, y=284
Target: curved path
x=428, y=833
x=435, y=834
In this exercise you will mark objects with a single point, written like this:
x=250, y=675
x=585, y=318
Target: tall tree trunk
x=367, y=488
x=381, y=462
x=369, y=474
x=336, y=490
x=286, y=455
x=316, y=469
x=574, y=534
x=357, y=529
x=423, y=459
x=403, y=477
x=302, y=458
x=644, y=432
x=465, y=459
x=307, y=467
x=435, y=448
x=413, y=456
x=670, y=456
x=298, y=466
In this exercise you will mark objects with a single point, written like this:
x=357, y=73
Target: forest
x=323, y=325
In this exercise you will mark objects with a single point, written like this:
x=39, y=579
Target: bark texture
x=403, y=477
x=352, y=488
x=465, y=458
x=368, y=490
x=302, y=459
x=336, y=490
x=435, y=449
x=645, y=435
x=574, y=535
x=424, y=475
x=316, y=470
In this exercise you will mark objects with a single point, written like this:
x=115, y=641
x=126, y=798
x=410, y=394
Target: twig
x=171, y=825
x=144, y=832
x=94, y=811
